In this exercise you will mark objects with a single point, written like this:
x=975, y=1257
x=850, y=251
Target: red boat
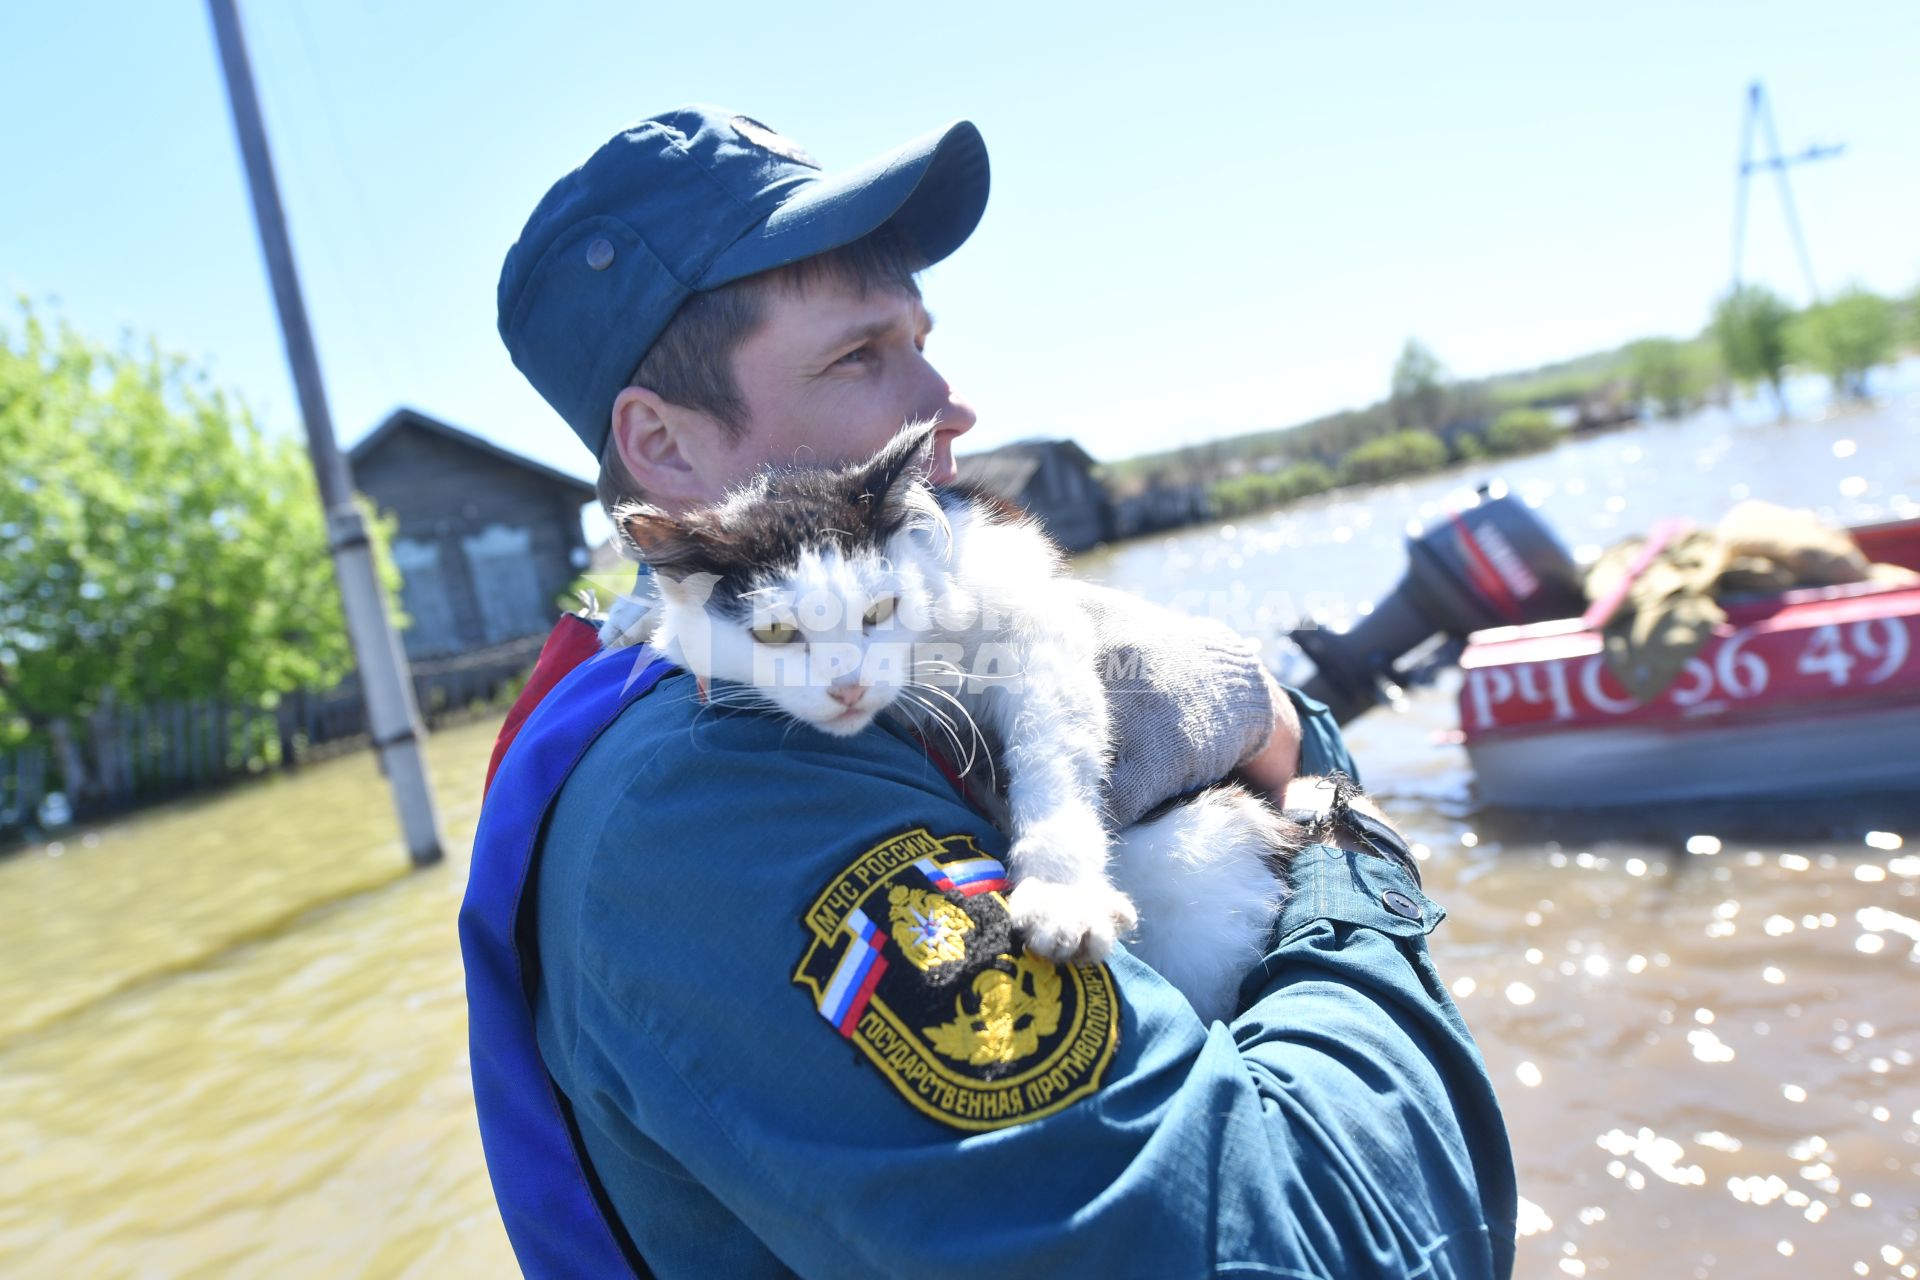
x=1815, y=689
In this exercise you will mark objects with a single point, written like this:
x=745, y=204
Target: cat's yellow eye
x=879, y=611
x=776, y=633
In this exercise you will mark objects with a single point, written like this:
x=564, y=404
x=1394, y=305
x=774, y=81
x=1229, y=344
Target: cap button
x=600, y=253
x=1401, y=905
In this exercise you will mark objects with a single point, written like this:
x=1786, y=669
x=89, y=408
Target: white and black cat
x=836, y=596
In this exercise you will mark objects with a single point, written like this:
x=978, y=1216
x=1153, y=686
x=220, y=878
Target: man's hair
x=691, y=363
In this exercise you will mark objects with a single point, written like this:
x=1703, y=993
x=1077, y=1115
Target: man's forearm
x=1190, y=701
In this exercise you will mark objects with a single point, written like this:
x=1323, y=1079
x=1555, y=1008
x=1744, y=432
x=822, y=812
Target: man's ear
x=646, y=433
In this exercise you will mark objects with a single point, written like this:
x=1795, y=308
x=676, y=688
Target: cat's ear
x=672, y=548
x=908, y=455
x=893, y=483
x=645, y=528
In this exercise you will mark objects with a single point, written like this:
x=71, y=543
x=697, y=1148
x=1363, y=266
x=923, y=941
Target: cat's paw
x=1070, y=923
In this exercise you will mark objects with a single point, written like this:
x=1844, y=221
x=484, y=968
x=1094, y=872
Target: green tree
x=1238, y=495
x=1750, y=323
x=1846, y=337
x=1418, y=397
x=1522, y=431
x=155, y=544
x=1659, y=373
x=1404, y=453
x=1260, y=491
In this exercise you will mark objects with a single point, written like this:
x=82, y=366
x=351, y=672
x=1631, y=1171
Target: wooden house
x=1053, y=481
x=1160, y=504
x=487, y=539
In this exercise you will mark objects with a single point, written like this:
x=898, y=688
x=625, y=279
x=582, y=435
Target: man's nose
x=957, y=416
x=954, y=413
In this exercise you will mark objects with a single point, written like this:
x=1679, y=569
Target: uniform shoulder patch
x=911, y=956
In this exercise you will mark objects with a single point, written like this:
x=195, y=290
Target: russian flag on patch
x=975, y=875
x=855, y=977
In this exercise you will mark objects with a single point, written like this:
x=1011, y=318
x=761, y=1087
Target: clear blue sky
x=1205, y=219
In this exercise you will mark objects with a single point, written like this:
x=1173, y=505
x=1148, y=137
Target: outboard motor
x=1491, y=564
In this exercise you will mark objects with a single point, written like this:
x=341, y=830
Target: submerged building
x=487, y=541
x=1053, y=481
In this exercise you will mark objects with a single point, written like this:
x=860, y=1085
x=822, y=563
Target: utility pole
x=1760, y=114
x=384, y=682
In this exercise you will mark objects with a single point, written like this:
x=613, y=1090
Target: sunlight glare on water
x=1702, y=1024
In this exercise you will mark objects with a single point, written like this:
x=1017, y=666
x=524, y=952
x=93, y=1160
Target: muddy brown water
x=232, y=1031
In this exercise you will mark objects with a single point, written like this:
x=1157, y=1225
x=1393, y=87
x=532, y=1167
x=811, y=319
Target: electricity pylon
x=1760, y=115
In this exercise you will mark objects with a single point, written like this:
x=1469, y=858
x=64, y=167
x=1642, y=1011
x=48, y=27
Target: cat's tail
x=1207, y=877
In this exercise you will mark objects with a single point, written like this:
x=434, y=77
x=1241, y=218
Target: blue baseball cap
x=689, y=200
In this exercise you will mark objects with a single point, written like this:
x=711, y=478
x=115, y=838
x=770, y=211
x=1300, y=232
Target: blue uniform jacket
x=774, y=982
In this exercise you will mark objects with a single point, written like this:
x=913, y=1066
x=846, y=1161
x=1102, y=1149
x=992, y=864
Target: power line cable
x=381, y=260
x=296, y=156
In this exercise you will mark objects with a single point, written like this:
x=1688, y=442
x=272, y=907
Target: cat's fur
x=774, y=595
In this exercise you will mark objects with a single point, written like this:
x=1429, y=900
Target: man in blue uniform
x=744, y=997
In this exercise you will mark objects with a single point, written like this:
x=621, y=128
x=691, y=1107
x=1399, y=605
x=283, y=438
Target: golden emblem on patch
x=767, y=140
x=912, y=958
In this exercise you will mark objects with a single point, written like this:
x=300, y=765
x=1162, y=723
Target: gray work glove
x=1188, y=698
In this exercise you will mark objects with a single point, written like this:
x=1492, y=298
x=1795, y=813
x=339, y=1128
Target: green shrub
x=156, y=543
x=1260, y=491
x=1672, y=374
x=1236, y=495
x=1522, y=431
x=1404, y=453
x=1846, y=337
x=1750, y=324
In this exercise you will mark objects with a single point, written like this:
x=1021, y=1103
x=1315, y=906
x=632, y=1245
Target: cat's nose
x=846, y=694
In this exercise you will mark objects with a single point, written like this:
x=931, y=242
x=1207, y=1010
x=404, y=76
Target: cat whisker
x=974, y=749
x=953, y=730
x=963, y=756
x=917, y=709
x=943, y=666
x=979, y=746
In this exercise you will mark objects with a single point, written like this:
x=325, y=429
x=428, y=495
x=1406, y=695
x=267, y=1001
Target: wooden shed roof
x=1006, y=471
x=411, y=419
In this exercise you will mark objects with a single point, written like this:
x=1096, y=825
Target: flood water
x=1702, y=1021
x=232, y=1031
